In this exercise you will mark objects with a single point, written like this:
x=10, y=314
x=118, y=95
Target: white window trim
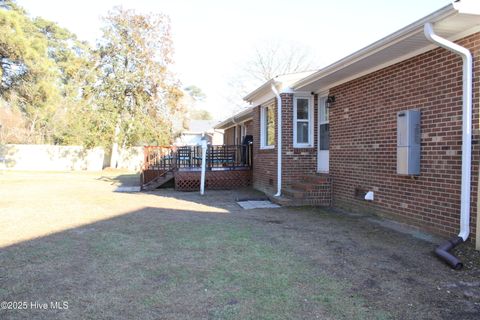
x=263, y=128
x=309, y=144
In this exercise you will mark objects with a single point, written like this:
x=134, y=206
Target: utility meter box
x=408, y=142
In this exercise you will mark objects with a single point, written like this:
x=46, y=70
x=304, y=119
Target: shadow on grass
x=122, y=180
x=155, y=263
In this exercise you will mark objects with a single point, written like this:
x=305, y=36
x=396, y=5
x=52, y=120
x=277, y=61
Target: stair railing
x=160, y=160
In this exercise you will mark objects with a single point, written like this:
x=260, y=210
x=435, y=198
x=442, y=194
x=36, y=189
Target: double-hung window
x=267, y=126
x=303, y=122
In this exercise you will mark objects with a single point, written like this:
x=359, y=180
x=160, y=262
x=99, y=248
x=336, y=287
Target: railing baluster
x=167, y=158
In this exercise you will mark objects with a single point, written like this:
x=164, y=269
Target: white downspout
x=279, y=141
x=204, y=167
x=466, y=124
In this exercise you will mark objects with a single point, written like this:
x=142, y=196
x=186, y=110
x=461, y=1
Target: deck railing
x=219, y=157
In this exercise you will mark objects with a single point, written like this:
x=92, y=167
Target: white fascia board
x=237, y=124
x=232, y=121
x=260, y=100
x=281, y=82
x=260, y=91
x=322, y=90
x=377, y=46
x=287, y=90
x=221, y=124
x=270, y=95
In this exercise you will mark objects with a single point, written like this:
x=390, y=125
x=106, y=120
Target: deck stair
x=158, y=181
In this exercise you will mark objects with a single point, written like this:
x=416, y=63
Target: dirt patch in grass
x=171, y=255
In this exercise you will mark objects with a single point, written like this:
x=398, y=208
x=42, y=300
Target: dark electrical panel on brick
x=408, y=142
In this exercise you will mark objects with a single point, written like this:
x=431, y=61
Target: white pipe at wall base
x=466, y=124
x=279, y=141
x=477, y=241
x=204, y=166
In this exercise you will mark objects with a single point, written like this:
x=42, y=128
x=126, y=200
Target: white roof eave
x=235, y=119
x=409, y=41
x=259, y=91
x=281, y=82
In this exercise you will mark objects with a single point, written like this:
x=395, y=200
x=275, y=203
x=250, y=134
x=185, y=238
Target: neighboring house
x=339, y=127
x=198, y=130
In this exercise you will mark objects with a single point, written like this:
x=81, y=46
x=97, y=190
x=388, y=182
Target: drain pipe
x=279, y=141
x=204, y=167
x=442, y=250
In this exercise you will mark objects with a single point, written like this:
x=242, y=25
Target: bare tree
x=269, y=59
x=277, y=58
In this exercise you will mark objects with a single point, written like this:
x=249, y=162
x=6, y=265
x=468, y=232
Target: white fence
x=64, y=158
x=131, y=158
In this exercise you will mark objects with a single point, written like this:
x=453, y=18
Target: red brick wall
x=229, y=136
x=232, y=136
x=296, y=162
x=363, y=139
x=264, y=161
x=249, y=127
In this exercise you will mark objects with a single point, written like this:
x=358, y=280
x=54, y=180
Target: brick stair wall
x=314, y=190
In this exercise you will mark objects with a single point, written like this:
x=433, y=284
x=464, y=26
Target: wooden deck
x=164, y=163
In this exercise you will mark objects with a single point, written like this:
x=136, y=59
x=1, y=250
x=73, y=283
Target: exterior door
x=323, y=136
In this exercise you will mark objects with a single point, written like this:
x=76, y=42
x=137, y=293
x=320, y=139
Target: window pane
x=269, y=126
x=324, y=114
x=302, y=109
x=302, y=132
x=324, y=136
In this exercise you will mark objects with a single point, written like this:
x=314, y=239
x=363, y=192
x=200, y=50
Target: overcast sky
x=214, y=38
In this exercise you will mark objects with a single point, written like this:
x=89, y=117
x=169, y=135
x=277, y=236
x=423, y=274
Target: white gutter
x=279, y=141
x=466, y=124
x=259, y=91
x=231, y=119
x=375, y=47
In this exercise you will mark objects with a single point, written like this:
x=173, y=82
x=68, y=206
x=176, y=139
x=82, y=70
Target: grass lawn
x=166, y=255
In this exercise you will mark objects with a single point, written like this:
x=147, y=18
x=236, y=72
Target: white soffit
x=282, y=82
x=402, y=45
x=238, y=118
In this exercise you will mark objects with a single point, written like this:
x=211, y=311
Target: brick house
x=236, y=127
x=339, y=127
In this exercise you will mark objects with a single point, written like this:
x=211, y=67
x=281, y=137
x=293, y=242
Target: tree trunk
x=114, y=156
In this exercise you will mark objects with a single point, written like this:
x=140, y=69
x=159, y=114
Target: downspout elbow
x=447, y=44
x=442, y=251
